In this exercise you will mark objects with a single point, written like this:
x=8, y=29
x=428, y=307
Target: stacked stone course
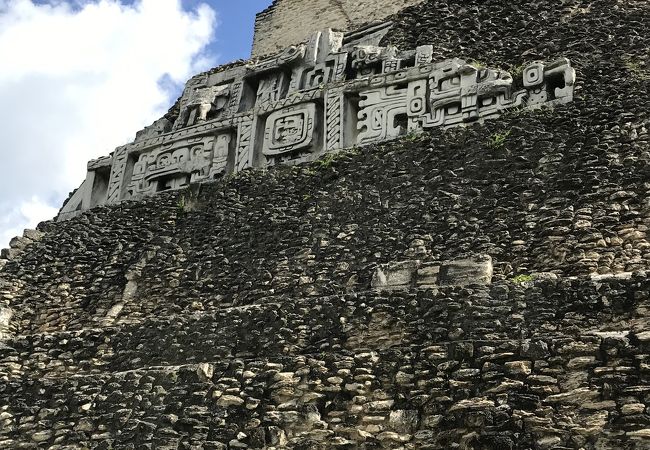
x=241, y=313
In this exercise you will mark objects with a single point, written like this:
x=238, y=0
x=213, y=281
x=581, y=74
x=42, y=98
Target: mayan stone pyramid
x=406, y=224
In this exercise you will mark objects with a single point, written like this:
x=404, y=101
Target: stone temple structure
x=400, y=225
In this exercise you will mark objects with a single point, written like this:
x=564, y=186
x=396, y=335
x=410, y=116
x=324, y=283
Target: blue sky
x=81, y=77
x=234, y=32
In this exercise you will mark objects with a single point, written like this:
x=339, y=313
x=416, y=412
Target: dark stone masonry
x=475, y=288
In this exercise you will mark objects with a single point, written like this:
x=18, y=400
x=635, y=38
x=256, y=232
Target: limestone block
x=414, y=273
x=9, y=253
x=42, y=436
x=632, y=409
x=427, y=276
x=536, y=349
x=5, y=321
x=403, y=421
x=518, y=367
x=395, y=275
x=643, y=336
x=474, y=403
x=477, y=270
x=574, y=397
x=19, y=243
x=205, y=372
x=639, y=434
x=230, y=400
x=34, y=235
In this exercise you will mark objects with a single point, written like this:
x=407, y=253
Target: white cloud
x=78, y=79
x=30, y=211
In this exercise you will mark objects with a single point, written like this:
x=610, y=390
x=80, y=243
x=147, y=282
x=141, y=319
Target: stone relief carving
x=334, y=91
x=380, y=113
x=289, y=129
x=176, y=165
x=198, y=101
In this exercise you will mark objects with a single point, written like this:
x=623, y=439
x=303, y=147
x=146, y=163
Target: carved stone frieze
x=381, y=114
x=178, y=164
x=199, y=101
x=289, y=129
x=334, y=91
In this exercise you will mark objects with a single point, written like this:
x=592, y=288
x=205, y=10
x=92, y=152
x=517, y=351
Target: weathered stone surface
x=241, y=314
x=414, y=273
x=395, y=275
x=477, y=270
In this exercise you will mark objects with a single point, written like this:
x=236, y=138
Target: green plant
x=478, y=64
x=520, y=279
x=517, y=71
x=638, y=69
x=187, y=201
x=181, y=203
x=327, y=160
x=497, y=140
x=352, y=151
x=412, y=135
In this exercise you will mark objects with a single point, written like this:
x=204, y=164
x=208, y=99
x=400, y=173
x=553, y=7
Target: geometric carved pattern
x=178, y=164
x=315, y=97
x=334, y=116
x=244, y=143
x=120, y=158
x=289, y=129
x=379, y=114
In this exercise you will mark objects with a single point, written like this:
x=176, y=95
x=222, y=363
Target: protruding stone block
x=428, y=276
x=5, y=321
x=414, y=273
x=9, y=253
x=34, y=235
x=462, y=272
x=396, y=275
x=19, y=243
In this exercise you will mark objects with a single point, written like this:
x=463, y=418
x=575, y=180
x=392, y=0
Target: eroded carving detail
x=323, y=63
x=178, y=164
x=120, y=157
x=198, y=101
x=289, y=129
x=244, y=143
x=333, y=91
x=334, y=116
x=382, y=114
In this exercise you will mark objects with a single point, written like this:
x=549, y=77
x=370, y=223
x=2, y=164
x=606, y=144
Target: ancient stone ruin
x=333, y=92
x=330, y=246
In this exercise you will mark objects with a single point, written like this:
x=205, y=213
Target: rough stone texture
x=288, y=22
x=240, y=314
